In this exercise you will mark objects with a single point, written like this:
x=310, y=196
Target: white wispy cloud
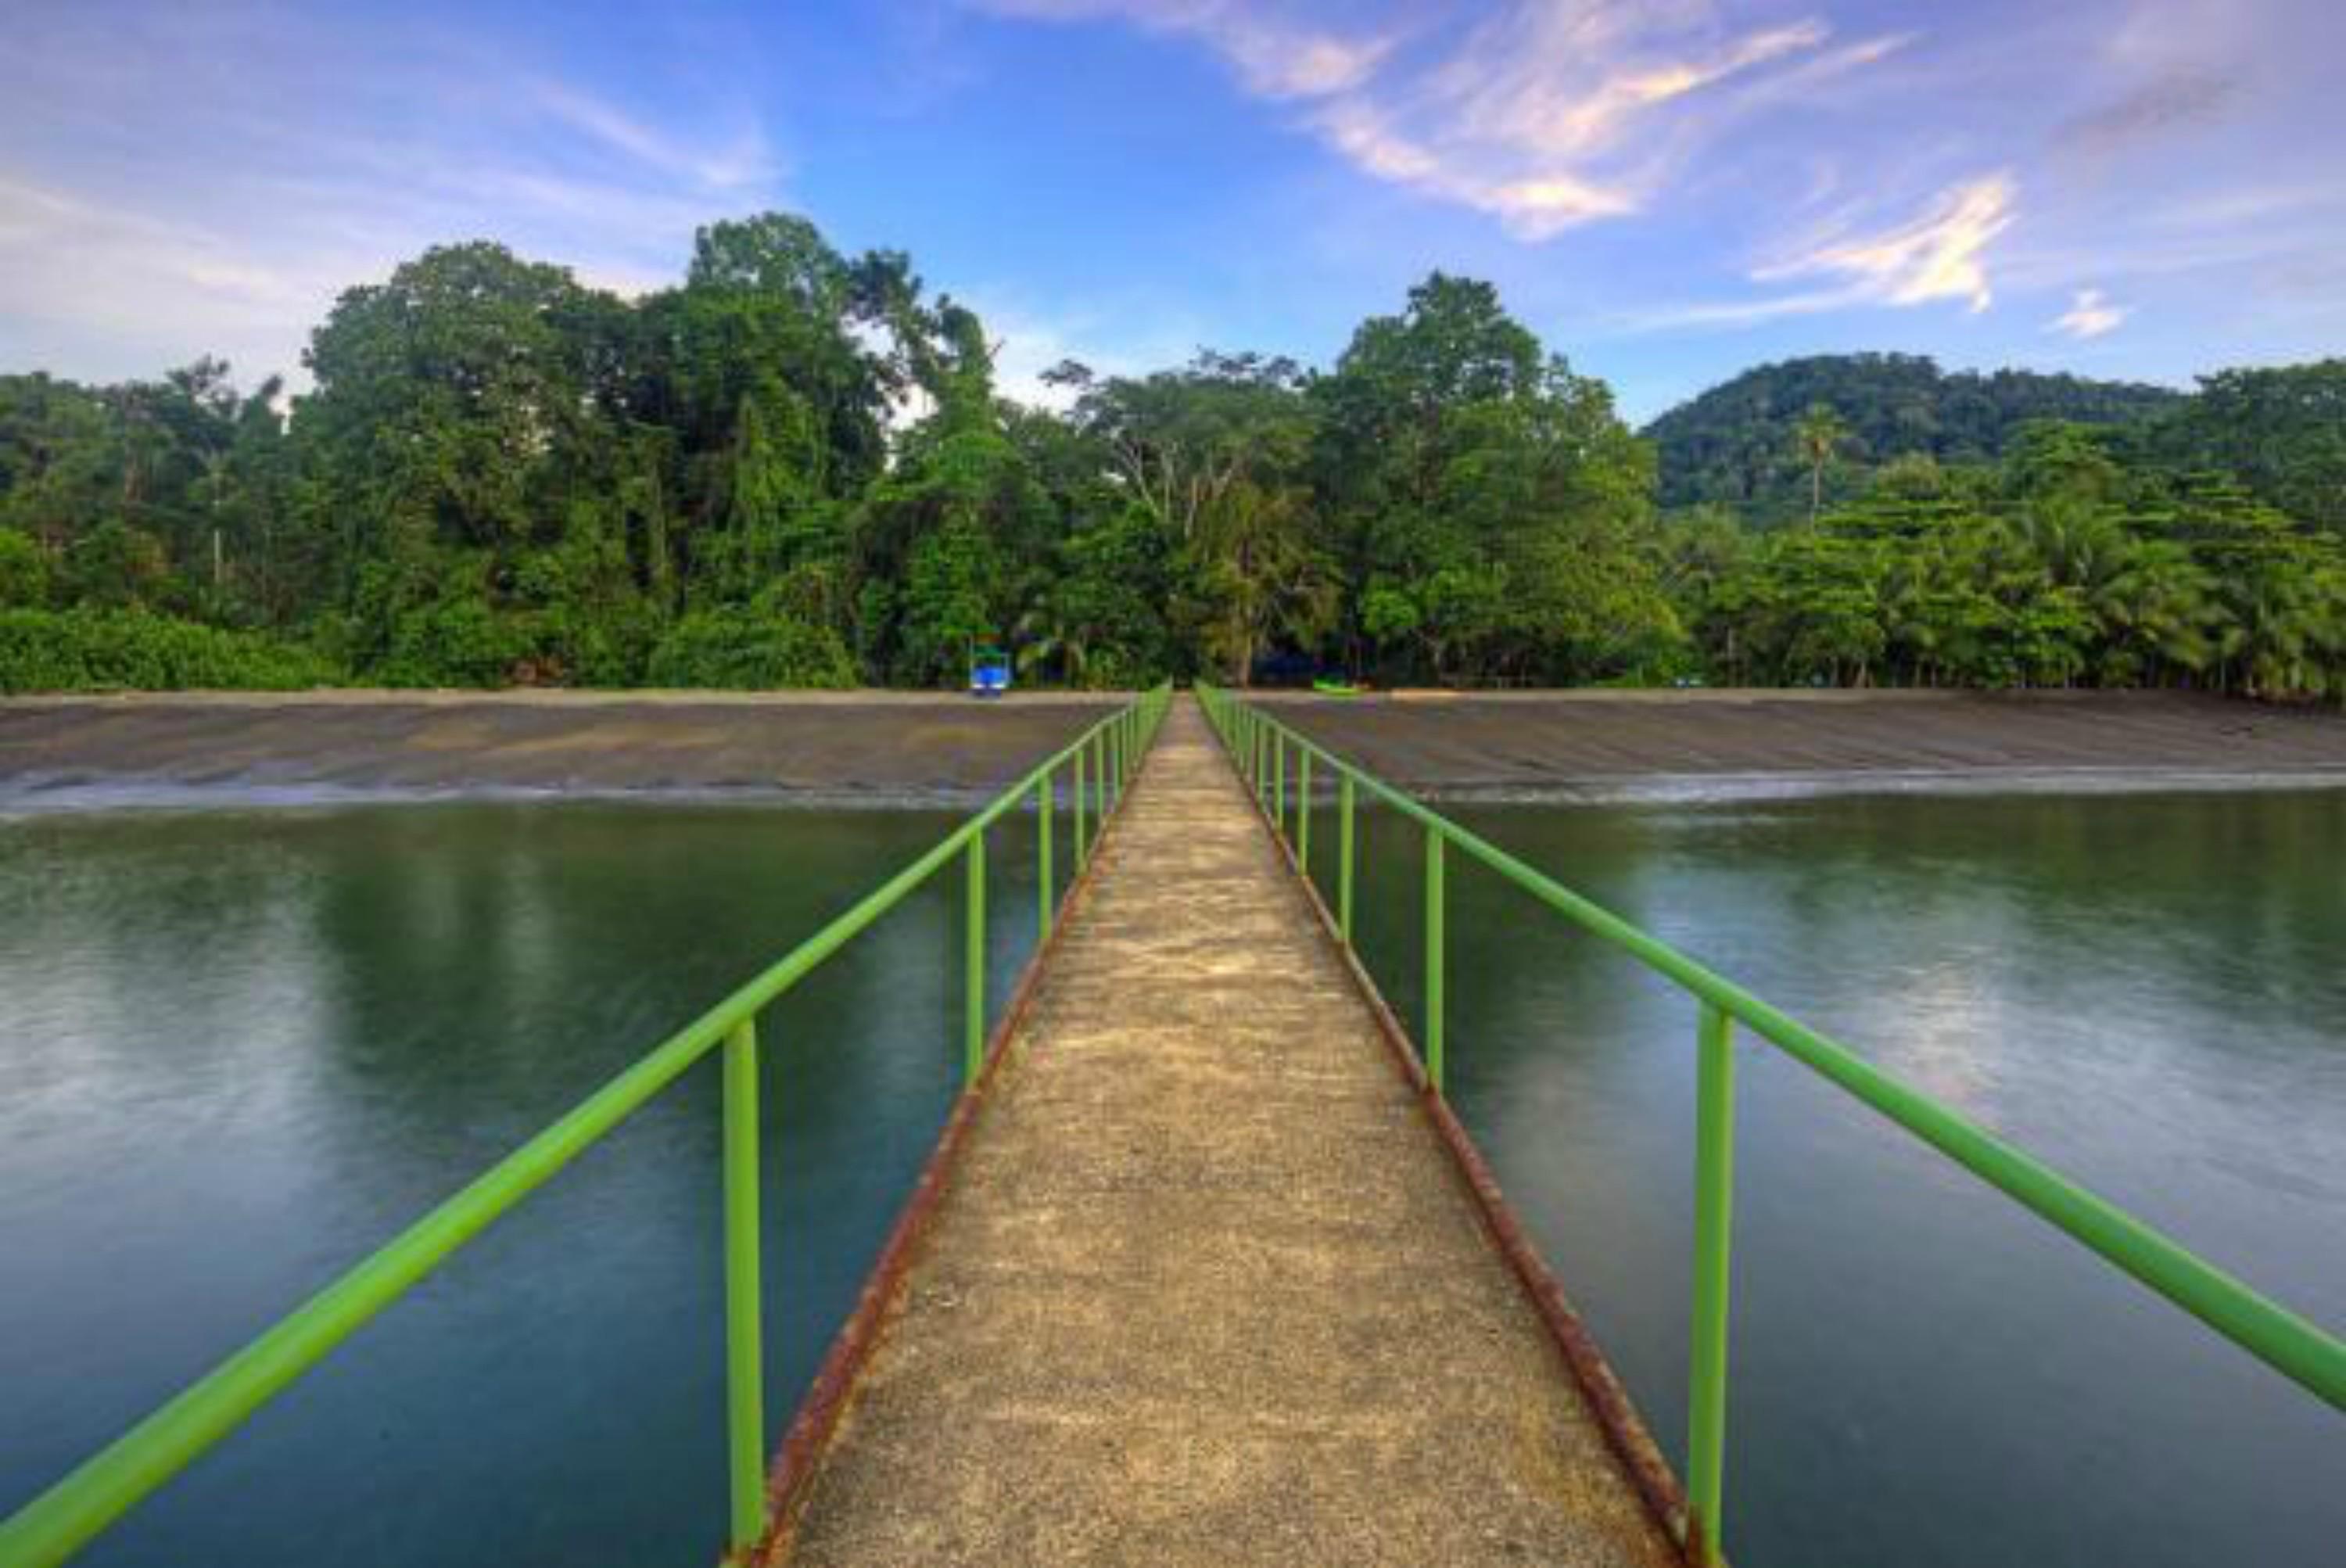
x=61, y=256
x=2089, y=315
x=1275, y=56
x=741, y=159
x=1749, y=313
x=141, y=224
x=1546, y=116
x=1941, y=254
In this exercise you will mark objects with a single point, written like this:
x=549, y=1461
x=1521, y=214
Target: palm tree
x=2158, y=612
x=1818, y=437
x=1049, y=633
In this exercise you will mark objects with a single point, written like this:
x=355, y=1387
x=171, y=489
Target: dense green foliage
x=2282, y=432
x=1738, y=444
x=127, y=650
x=793, y=468
x=2058, y=567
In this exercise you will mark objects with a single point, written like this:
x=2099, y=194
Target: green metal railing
x=55, y=1525
x=1258, y=746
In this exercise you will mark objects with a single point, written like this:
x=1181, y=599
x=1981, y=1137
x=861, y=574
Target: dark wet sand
x=1602, y=741
x=832, y=744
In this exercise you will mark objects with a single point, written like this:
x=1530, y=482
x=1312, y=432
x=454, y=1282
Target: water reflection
x=245, y=1049
x=2144, y=989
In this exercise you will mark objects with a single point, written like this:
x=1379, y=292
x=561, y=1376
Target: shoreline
x=28, y=799
x=23, y=800
x=239, y=750
x=548, y=696
x=1759, y=789
x=187, y=751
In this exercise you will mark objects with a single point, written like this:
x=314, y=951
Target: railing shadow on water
x=1260, y=748
x=1098, y=765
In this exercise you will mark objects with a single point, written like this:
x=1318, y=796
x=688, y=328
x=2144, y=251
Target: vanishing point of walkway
x=1204, y=1286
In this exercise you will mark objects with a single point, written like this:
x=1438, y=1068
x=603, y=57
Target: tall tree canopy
x=795, y=467
x=1490, y=511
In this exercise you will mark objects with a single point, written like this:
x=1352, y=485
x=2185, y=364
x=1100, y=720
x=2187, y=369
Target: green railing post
x=1045, y=807
x=972, y=1041
x=1279, y=785
x=745, y=1381
x=1082, y=847
x=1304, y=811
x=1435, y=901
x=1344, y=855
x=1714, y=1216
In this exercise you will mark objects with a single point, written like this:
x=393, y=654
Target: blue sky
x=1667, y=191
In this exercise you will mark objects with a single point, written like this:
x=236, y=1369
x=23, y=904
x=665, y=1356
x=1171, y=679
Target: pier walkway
x=1203, y=1285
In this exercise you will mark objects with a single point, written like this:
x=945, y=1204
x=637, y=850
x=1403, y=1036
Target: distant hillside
x=1734, y=445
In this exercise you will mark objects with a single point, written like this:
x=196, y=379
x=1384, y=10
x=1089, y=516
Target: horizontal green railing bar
x=2292, y=1344
x=58, y=1523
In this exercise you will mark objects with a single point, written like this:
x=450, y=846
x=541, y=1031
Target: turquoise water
x=242, y=1048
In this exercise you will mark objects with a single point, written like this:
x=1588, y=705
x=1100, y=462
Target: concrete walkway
x=1205, y=1286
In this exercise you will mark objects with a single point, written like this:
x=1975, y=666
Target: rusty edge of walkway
x=833, y=1389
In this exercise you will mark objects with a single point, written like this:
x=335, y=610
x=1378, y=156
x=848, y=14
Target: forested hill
x=1736, y=445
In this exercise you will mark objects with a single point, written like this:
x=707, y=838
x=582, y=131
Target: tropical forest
x=794, y=468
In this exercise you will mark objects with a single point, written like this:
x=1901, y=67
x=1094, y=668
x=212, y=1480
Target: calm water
x=2150, y=992
x=243, y=1048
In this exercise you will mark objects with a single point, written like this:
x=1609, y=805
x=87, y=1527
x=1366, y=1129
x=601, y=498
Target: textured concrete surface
x=828, y=742
x=1574, y=742
x=1205, y=1289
